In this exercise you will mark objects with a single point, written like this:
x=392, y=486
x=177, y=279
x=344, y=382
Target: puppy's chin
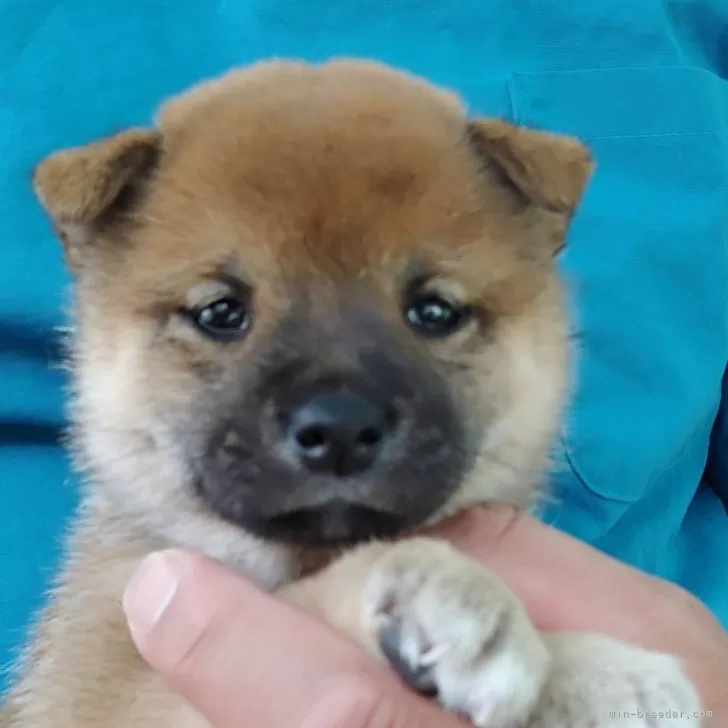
x=333, y=525
x=316, y=519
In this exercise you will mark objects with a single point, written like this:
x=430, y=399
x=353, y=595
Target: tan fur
x=341, y=177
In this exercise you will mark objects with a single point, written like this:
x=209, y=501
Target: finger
x=570, y=586
x=564, y=583
x=243, y=658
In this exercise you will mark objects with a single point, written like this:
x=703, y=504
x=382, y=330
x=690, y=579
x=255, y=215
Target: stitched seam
x=37, y=30
x=658, y=135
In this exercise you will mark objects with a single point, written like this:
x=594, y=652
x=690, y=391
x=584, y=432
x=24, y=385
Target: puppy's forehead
x=301, y=168
x=339, y=90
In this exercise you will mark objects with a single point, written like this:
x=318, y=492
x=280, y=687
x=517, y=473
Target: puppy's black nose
x=338, y=433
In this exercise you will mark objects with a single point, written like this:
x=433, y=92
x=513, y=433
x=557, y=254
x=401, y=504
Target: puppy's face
x=316, y=305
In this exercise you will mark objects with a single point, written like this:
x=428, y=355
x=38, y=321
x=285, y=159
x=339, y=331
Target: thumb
x=243, y=658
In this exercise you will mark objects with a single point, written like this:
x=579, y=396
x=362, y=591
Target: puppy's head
x=316, y=304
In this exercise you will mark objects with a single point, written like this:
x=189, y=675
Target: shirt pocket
x=646, y=269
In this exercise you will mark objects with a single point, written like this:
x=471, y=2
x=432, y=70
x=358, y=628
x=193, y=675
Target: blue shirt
x=642, y=464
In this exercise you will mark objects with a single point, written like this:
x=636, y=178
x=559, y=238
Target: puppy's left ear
x=549, y=172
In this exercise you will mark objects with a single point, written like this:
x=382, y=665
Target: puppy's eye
x=226, y=319
x=434, y=316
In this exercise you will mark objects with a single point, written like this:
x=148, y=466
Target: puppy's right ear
x=80, y=187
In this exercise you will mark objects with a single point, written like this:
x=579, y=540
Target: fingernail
x=151, y=591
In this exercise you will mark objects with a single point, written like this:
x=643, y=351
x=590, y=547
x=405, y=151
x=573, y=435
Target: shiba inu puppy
x=316, y=308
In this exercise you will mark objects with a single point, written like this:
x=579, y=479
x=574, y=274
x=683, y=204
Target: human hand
x=241, y=657
x=568, y=586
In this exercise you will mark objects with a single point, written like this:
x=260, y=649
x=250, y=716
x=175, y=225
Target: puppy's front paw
x=452, y=630
x=599, y=682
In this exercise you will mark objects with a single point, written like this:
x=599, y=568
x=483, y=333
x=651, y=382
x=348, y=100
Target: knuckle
x=194, y=655
x=355, y=701
x=200, y=629
x=682, y=602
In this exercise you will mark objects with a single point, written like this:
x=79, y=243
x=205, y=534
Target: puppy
x=316, y=309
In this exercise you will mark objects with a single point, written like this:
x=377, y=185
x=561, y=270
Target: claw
x=418, y=676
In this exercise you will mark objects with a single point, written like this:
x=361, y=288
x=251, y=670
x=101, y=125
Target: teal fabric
x=642, y=463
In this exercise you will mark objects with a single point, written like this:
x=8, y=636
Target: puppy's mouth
x=335, y=524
